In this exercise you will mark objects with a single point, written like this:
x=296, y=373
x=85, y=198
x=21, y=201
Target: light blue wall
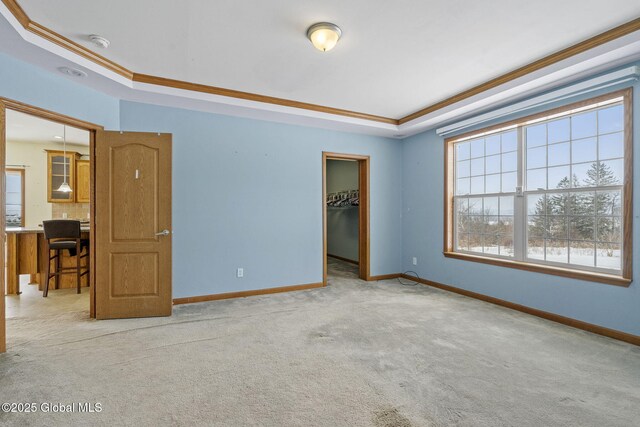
x=248, y=193
x=423, y=185
x=31, y=85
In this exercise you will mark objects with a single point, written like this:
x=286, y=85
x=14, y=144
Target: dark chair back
x=61, y=229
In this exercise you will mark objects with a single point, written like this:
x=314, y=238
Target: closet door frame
x=363, y=212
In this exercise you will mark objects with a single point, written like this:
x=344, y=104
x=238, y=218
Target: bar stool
x=59, y=235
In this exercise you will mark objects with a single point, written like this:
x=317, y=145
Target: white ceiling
x=394, y=57
x=22, y=127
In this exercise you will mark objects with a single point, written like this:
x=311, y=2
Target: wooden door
x=133, y=223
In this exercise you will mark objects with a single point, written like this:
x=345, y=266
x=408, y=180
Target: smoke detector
x=99, y=41
x=73, y=72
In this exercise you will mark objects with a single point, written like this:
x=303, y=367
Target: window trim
x=627, y=190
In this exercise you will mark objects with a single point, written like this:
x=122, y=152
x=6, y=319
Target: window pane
x=506, y=245
x=608, y=256
x=476, y=224
x=476, y=242
x=491, y=225
x=582, y=253
x=582, y=228
x=581, y=175
x=463, y=224
x=475, y=206
x=477, y=148
x=558, y=204
x=583, y=125
x=537, y=157
x=609, y=230
x=462, y=206
x=611, y=146
x=506, y=205
x=491, y=206
x=537, y=179
x=584, y=150
x=536, y=204
x=559, y=177
x=493, y=183
x=492, y=164
x=559, y=154
x=463, y=186
x=509, y=141
x=477, y=185
x=509, y=162
x=536, y=135
x=557, y=227
x=611, y=119
x=477, y=167
x=557, y=251
x=463, y=150
x=610, y=172
x=463, y=241
x=558, y=130
x=505, y=225
x=491, y=244
x=463, y=169
x=583, y=203
x=492, y=144
x=509, y=181
x=608, y=203
x=535, y=248
x=536, y=226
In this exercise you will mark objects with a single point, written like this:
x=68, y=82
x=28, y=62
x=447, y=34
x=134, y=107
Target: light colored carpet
x=352, y=354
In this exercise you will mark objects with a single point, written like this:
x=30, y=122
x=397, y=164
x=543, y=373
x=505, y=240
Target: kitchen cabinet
x=57, y=173
x=82, y=181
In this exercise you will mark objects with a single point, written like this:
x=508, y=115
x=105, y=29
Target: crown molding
x=213, y=90
x=130, y=77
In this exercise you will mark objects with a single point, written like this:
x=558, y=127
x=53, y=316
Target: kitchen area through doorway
x=47, y=173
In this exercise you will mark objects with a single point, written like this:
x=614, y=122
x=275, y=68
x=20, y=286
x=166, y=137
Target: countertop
x=26, y=230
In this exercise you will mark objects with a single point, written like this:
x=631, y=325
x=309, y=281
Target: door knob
x=164, y=232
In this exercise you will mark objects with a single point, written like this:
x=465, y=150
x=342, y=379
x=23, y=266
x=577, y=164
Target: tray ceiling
x=394, y=58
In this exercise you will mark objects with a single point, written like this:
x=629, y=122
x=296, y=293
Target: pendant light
x=64, y=187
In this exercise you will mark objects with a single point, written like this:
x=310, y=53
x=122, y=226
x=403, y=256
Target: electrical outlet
x=64, y=215
x=415, y=261
x=240, y=272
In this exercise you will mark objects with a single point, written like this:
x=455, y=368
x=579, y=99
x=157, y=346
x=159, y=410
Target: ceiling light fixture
x=99, y=41
x=324, y=35
x=73, y=72
x=57, y=137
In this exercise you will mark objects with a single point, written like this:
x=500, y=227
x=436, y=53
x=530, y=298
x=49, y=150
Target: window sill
x=608, y=279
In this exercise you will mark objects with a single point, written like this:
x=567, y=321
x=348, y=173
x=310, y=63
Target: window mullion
x=519, y=217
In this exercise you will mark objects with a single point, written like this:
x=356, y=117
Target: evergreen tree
x=550, y=220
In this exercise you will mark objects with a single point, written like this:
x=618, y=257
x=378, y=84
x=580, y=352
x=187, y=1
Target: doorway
x=349, y=207
x=34, y=144
x=133, y=180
